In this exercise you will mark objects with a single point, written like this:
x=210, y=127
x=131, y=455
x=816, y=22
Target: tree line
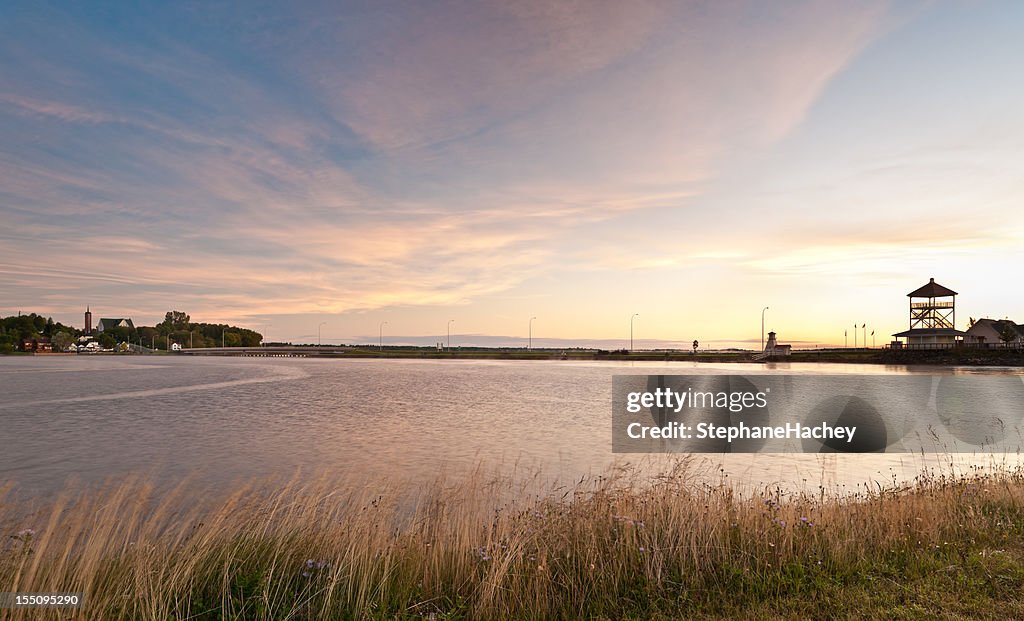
x=16, y=329
x=177, y=327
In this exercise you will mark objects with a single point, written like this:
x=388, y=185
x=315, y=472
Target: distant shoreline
x=942, y=357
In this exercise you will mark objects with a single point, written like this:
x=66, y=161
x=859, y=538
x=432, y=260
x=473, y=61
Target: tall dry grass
x=485, y=547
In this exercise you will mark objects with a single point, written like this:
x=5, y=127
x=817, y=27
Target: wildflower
x=641, y=548
x=310, y=563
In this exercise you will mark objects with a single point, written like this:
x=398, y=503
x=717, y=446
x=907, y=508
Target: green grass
x=623, y=546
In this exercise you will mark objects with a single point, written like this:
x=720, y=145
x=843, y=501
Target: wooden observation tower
x=932, y=319
x=938, y=310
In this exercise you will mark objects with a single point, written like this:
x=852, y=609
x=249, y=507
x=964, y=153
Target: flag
x=864, y=326
x=872, y=333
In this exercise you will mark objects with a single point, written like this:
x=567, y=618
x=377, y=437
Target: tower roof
x=931, y=290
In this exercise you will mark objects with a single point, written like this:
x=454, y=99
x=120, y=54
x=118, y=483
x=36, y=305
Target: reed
x=622, y=545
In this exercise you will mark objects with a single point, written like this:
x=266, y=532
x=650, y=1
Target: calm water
x=92, y=418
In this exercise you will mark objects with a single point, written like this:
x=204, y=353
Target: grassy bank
x=611, y=547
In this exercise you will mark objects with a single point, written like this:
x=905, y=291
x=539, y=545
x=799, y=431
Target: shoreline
x=943, y=357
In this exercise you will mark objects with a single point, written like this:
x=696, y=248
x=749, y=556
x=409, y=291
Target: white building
x=774, y=348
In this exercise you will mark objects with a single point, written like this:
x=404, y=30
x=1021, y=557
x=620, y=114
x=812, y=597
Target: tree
x=1009, y=333
x=121, y=335
x=107, y=340
x=148, y=336
x=62, y=340
x=176, y=320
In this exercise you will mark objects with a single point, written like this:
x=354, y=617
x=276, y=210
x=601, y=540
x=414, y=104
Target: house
x=990, y=331
x=110, y=324
x=40, y=344
x=772, y=348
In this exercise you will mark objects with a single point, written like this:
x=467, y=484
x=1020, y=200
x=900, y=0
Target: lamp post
x=635, y=315
x=530, y=345
x=763, y=328
x=855, y=336
x=450, y=322
x=322, y=323
x=380, y=343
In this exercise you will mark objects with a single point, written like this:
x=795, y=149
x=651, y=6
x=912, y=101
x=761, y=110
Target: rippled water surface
x=226, y=419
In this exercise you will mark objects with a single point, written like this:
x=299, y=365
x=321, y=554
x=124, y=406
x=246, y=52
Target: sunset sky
x=278, y=165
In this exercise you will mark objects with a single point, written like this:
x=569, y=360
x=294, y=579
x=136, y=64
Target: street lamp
x=322, y=323
x=762, y=327
x=530, y=346
x=450, y=322
x=635, y=315
x=381, y=336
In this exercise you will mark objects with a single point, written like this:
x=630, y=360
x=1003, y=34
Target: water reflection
x=229, y=419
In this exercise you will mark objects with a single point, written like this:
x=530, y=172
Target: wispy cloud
x=350, y=158
x=55, y=110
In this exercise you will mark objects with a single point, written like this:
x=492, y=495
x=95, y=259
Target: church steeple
x=88, y=321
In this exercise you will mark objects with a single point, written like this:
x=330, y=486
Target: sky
x=465, y=166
